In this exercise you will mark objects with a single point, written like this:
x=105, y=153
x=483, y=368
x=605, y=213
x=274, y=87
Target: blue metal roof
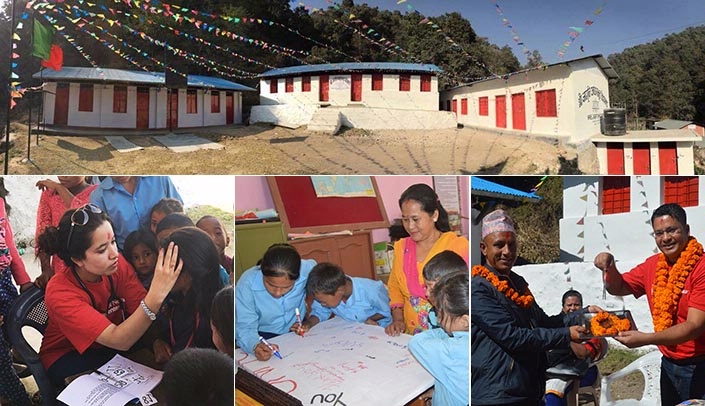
x=353, y=67
x=104, y=75
x=484, y=187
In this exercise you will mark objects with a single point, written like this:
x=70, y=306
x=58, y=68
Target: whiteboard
x=343, y=363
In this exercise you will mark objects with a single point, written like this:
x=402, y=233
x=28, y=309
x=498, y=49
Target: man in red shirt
x=674, y=284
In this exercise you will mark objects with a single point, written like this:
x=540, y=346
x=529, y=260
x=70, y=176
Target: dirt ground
x=264, y=149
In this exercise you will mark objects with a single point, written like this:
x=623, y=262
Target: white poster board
x=342, y=362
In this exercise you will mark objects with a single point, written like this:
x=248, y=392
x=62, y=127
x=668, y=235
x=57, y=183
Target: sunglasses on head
x=80, y=217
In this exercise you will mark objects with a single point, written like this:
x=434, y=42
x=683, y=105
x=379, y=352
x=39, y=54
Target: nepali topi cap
x=497, y=220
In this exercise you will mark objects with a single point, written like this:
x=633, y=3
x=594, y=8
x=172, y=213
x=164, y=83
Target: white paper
x=344, y=363
x=116, y=383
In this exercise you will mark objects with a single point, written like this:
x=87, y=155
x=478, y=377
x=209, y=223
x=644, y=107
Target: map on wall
x=343, y=186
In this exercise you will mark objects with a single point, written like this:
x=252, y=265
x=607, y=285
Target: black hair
x=202, y=262
x=451, y=293
x=281, y=260
x=174, y=220
x=222, y=315
x=443, y=263
x=208, y=217
x=167, y=205
x=136, y=238
x=572, y=293
x=199, y=376
x=670, y=209
x=428, y=199
x=325, y=278
x=55, y=240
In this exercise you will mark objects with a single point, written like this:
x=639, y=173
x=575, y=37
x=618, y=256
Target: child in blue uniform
x=445, y=351
x=267, y=296
x=442, y=264
x=354, y=299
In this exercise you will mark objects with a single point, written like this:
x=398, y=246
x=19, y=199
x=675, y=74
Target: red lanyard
x=171, y=330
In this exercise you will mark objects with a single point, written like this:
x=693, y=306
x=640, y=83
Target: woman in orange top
x=426, y=221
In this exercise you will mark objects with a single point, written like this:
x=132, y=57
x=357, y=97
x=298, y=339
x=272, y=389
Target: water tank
x=614, y=122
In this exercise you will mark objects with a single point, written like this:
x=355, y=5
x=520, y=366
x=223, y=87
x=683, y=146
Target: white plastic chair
x=650, y=366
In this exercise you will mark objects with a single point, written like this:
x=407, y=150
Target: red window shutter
x=273, y=84
x=425, y=83
x=289, y=85
x=404, y=83
x=191, y=102
x=484, y=103
x=215, y=101
x=546, y=103
x=615, y=194
x=464, y=107
x=377, y=81
x=306, y=83
x=454, y=106
x=682, y=190
x=85, y=98
x=120, y=99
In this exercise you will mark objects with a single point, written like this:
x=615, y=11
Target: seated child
x=163, y=208
x=199, y=376
x=443, y=263
x=171, y=223
x=445, y=351
x=214, y=227
x=223, y=320
x=354, y=299
x=141, y=250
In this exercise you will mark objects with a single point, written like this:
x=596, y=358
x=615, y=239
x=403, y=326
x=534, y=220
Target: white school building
x=370, y=95
x=123, y=99
x=562, y=100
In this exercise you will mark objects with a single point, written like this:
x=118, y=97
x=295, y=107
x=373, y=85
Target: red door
x=668, y=158
x=142, y=107
x=518, y=112
x=229, y=106
x=615, y=159
x=642, y=158
x=501, y=108
x=323, y=88
x=356, y=89
x=61, y=104
x=454, y=106
x=172, y=117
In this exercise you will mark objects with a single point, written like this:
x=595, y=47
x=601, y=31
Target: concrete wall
x=585, y=232
x=287, y=115
x=394, y=119
x=340, y=95
x=574, y=122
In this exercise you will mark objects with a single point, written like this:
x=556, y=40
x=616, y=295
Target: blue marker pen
x=263, y=341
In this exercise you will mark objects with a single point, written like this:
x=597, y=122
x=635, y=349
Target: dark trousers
x=681, y=382
x=73, y=363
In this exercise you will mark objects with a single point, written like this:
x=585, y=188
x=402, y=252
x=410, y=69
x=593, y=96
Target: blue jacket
x=509, y=344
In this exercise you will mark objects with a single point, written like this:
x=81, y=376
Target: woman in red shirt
x=97, y=306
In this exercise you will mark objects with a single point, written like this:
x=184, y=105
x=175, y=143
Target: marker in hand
x=298, y=320
x=263, y=341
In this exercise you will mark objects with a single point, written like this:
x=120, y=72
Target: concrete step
x=326, y=120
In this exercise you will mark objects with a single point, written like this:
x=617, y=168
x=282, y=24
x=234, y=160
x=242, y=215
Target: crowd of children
x=113, y=286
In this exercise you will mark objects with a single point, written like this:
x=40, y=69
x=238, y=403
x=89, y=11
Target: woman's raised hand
x=167, y=271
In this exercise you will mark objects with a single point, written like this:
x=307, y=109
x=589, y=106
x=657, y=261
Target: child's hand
x=371, y=322
x=300, y=329
x=264, y=353
x=396, y=328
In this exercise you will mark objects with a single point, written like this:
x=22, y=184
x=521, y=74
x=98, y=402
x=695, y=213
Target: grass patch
x=630, y=386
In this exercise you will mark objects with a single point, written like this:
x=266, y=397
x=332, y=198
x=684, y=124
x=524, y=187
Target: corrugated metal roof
x=601, y=61
x=670, y=124
x=106, y=75
x=353, y=67
x=483, y=187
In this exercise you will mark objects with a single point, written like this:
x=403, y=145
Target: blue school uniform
x=257, y=311
x=368, y=298
x=448, y=360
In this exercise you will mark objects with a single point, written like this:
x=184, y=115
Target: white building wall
x=586, y=100
x=585, y=232
x=339, y=93
x=84, y=118
x=108, y=119
x=214, y=118
x=49, y=94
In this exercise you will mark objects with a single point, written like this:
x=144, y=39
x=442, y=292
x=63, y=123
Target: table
x=342, y=362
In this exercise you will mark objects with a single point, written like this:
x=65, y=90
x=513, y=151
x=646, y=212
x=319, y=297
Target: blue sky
x=543, y=25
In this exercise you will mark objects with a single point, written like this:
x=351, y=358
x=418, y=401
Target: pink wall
x=252, y=192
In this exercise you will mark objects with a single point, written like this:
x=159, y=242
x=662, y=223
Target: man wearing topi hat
x=510, y=332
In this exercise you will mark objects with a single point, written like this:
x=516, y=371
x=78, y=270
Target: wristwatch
x=152, y=316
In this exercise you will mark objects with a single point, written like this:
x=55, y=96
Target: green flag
x=41, y=40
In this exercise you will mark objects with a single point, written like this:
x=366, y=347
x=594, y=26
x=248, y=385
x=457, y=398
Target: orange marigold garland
x=525, y=300
x=668, y=285
x=606, y=323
